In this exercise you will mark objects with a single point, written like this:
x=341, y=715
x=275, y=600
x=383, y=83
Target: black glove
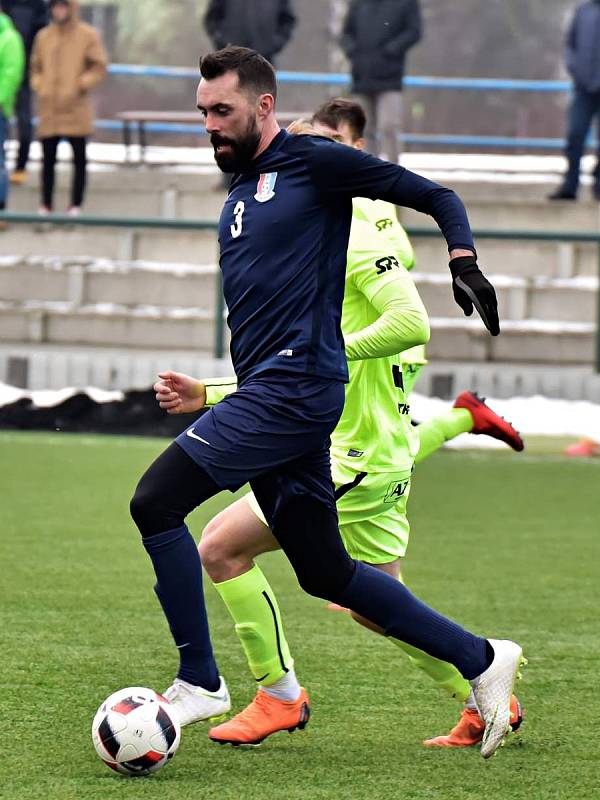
x=471, y=288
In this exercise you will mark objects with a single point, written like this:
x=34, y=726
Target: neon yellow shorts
x=371, y=511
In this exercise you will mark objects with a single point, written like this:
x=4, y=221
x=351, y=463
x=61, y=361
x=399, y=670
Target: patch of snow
x=53, y=397
x=516, y=326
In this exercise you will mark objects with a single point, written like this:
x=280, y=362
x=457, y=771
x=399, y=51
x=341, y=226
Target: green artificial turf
x=507, y=544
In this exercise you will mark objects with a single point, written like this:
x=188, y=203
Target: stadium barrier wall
x=413, y=232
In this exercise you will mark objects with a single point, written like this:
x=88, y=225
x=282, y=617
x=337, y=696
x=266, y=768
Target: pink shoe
x=43, y=211
x=586, y=448
x=74, y=211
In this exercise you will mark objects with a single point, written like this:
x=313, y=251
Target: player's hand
x=471, y=288
x=177, y=393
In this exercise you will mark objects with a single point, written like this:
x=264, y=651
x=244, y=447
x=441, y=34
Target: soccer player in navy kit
x=283, y=235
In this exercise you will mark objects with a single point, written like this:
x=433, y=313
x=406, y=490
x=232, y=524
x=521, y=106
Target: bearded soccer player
x=283, y=235
x=374, y=447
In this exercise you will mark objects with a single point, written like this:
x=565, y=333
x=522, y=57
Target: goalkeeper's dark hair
x=256, y=75
x=342, y=109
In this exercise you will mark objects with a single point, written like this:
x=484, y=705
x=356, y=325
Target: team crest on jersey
x=265, y=188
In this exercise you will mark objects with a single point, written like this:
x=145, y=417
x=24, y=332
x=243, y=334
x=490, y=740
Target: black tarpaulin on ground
x=138, y=413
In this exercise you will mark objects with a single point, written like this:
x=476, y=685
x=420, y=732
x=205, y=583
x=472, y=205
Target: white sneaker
x=493, y=690
x=193, y=703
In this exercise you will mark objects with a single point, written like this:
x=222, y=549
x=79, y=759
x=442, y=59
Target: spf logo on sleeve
x=382, y=224
x=386, y=263
x=396, y=491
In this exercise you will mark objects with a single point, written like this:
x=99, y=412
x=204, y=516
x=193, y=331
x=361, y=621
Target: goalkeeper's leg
x=470, y=414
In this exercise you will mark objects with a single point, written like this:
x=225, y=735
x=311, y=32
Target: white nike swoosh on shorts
x=193, y=435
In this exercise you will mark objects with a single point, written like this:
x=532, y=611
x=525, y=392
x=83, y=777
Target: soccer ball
x=135, y=731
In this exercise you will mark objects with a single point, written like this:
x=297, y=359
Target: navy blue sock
x=389, y=604
x=179, y=589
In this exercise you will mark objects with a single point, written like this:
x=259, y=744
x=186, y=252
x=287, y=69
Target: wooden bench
x=138, y=119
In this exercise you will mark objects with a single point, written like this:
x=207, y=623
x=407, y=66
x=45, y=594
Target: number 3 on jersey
x=238, y=213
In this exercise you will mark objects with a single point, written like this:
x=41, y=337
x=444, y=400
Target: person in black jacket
x=583, y=63
x=262, y=25
x=376, y=37
x=29, y=17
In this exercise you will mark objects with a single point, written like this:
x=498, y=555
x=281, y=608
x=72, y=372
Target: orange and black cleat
x=487, y=422
x=264, y=716
x=470, y=728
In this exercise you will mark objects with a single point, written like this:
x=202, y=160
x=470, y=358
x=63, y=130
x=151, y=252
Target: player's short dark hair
x=342, y=109
x=254, y=72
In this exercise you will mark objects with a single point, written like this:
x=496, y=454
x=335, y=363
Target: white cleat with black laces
x=194, y=704
x=493, y=690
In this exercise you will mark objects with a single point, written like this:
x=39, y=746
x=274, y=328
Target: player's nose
x=212, y=123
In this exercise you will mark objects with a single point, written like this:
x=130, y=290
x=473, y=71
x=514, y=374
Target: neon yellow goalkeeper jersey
x=375, y=431
x=382, y=216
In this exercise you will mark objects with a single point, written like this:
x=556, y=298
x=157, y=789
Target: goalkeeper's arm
x=402, y=323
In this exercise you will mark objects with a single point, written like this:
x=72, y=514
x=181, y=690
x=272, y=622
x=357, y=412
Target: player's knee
x=214, y=553
x=140, y=508
x=222, y=556
x=149, y=512
x=326, y=583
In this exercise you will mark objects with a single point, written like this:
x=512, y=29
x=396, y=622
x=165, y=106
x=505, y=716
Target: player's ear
x=266, y=104
x=359, y=144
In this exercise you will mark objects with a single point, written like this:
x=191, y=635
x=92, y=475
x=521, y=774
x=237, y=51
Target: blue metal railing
x=343, y=80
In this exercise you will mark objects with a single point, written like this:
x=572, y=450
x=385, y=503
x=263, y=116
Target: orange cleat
x=336, y=607
x=585, y=448
x=265, y=715
x=487, y=421
x=469, y=729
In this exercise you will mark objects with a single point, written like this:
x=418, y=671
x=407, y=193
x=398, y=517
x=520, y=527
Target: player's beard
x=241, y=150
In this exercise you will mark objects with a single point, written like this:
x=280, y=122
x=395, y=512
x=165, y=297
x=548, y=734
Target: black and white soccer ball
x=135, y=731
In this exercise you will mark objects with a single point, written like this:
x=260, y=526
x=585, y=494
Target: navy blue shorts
x=275, y=428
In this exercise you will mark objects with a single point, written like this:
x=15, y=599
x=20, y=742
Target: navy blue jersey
x=283, y=235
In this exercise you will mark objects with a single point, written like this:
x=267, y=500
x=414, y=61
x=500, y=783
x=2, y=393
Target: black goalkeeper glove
x=471, y=288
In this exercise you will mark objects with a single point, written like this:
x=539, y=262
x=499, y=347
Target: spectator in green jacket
x=12, y=65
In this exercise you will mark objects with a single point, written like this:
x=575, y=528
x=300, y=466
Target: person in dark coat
x=263, y=25
x=376, y=36
x=29, y=17
x=583, y=63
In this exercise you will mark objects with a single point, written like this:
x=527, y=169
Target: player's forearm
x=444, y=205
x=398, y=328
x=218, y=389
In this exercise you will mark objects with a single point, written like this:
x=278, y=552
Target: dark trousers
x=50, y=146
x=584, y=107
x=24, y=126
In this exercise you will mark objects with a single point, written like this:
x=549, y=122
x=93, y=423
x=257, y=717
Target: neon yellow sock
x=444, y=675
x=253, y=607
x=434, y=432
